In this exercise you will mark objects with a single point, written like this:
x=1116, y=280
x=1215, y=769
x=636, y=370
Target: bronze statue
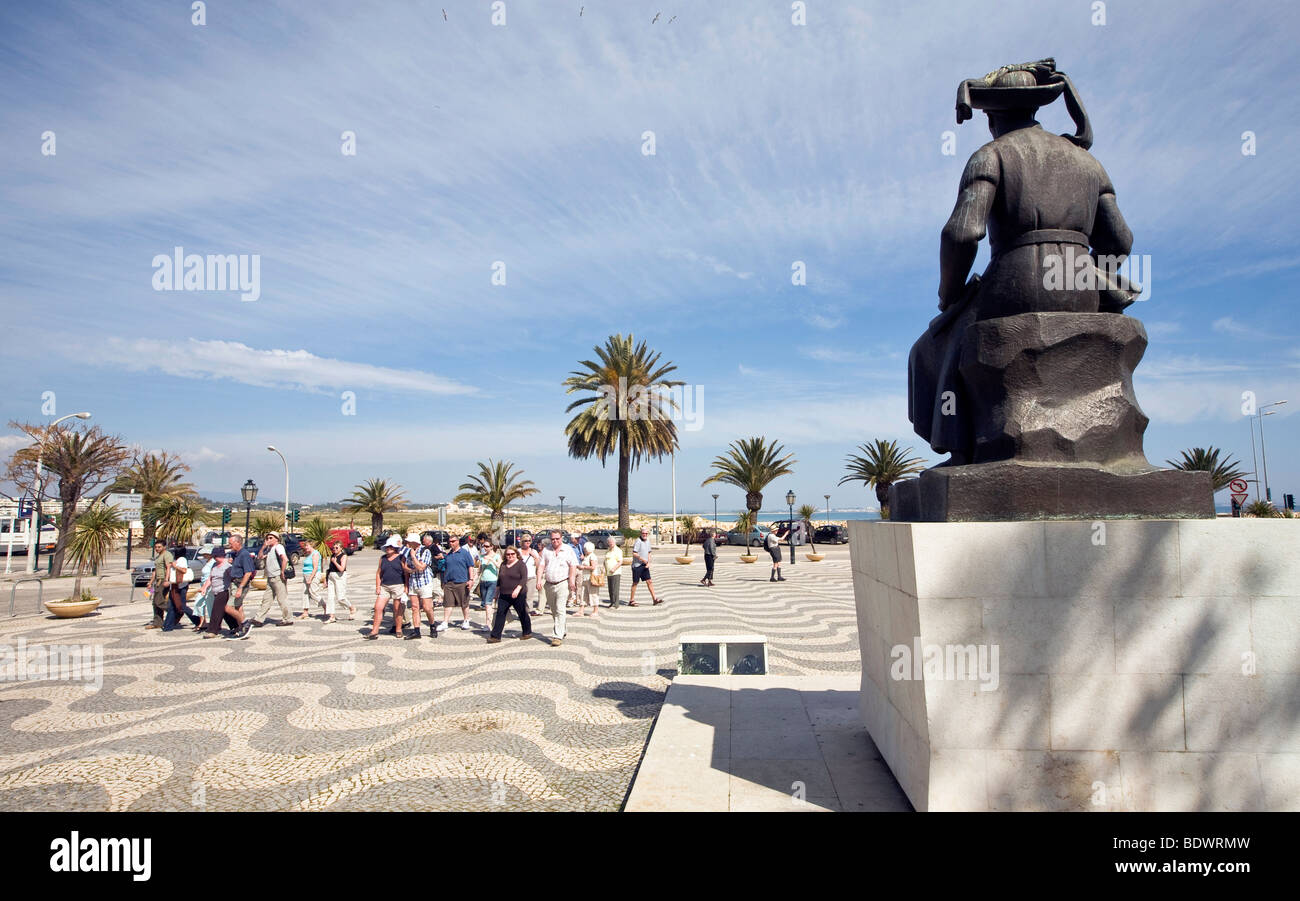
x=1025, y=377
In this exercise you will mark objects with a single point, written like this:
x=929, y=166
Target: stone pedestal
x=1119, y=665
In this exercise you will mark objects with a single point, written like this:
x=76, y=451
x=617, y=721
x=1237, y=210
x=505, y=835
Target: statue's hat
x=1024, y=87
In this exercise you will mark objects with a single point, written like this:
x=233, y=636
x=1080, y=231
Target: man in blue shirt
x=459, y=570
x=242, y=569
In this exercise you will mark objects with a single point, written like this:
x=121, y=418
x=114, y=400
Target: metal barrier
x=40, y=593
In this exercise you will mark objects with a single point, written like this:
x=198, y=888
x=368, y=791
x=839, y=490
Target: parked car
x=350, y=539
x=800, y=531
x=831, y=534
x=441, y=537
x=756, y=536
x=221, y=538
x=600, y=537
x=140, y=575
x=381, y=538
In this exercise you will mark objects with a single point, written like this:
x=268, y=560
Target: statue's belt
x=1047, y=236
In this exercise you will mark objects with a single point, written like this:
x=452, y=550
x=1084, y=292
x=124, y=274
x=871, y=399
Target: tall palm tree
x=92, y=539
x=155, y=477
x=1207, y=459
x=627, y=413
x=751, y=464
x=881, y=464
x=806, y=512
x=376, y=498
x=690, y=531
x=84, y=461
x=496, y=487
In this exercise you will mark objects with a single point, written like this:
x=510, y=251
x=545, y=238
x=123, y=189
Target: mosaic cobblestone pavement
x=311, y=717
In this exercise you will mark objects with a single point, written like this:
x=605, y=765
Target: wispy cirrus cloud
x=237, y=362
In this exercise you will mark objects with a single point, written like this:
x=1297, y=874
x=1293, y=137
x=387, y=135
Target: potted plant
x=806, y=514
x=92, y=538
x=690, y=531
x=745, y=523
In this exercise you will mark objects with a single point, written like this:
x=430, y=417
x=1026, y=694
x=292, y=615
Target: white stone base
x=1154, y=665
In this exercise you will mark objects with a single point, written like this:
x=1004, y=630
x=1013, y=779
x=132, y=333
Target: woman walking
x=512, y=587
x=710, y=555
x=390, y=585
x=336, y=587
x=203, y=604
x=489, y=566
x=531, y=557
x=613, y=569
x=588, y=595
x=313, y=577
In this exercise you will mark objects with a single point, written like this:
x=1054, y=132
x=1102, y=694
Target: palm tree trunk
x=498, y=527
x=882, y=495
x=624, y=469
x=376, y=523
x=66, y=522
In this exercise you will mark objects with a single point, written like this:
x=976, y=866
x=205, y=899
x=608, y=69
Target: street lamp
x=1268, y=495
x=286, y=484
x=828, y=508
x=561, y=513
x=715, y=517
x=34, y=528
x=789, y=499
x=249, y=491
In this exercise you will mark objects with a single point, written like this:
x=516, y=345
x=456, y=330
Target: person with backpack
x=773, y=544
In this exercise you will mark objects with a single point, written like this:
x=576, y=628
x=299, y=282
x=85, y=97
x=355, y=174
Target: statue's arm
x=1110, y=233
x=967, y=225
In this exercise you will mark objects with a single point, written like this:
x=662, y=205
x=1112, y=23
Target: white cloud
x=204, y=454
x=824, y=321
x=712, y=262
x=231, y=360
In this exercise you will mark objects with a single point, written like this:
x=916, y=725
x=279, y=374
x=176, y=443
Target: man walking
x=460, y=571
x=641, y=568
x=241, y=571
x=710, y=553
x=159, y=590
x=420, y=583
x=559, y=573
x=277, y=581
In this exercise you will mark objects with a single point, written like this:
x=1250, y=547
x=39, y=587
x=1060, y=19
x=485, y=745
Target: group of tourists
x=415, y=573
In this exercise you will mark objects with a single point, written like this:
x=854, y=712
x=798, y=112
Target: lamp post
x=1268, y=495
x=828, y=508
x=34, y=527
x=715, y=517
x=249, y=491
x=674, y=456
x=789, y=499
x=561, y=513
x=286, y=484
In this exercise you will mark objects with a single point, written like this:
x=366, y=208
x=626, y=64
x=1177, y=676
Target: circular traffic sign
x=1238, y=486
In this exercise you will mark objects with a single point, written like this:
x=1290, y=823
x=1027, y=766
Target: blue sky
x=523, y=144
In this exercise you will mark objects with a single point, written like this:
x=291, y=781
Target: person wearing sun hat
x=390, y=585
x=419, y=584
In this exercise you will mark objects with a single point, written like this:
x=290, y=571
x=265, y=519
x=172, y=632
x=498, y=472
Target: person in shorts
x=390, y=585
x=419, y=560
x=773, y=544
x=460, y=571
x=641, y=569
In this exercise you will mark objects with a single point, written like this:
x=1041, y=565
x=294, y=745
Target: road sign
x=1239, y=486
x=1240, y=497
x=130, y=506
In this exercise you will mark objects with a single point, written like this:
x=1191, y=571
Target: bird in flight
x=656, y=18
x=444, y=15
x=670, y=21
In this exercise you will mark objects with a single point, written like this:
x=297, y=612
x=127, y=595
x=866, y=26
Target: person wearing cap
x=276, y=560
x=641, y=568
x=390, y=585
x=216, y=583
x=313, y=578
x=159, y=593
x=419, y=585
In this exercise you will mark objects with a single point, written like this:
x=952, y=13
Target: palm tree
x=751, y=464
x=376, y=498
x=745, y=521
x=628, y=413
x=806, y=513
x=496, y=487
x=174, y=517
x=881, y=465
x=96, y=530
x=317, y=531
x=1207, y=459
x=156, y=477
x=263, y=523
x=84, y=462
x=1262, y=509
x=690, y=530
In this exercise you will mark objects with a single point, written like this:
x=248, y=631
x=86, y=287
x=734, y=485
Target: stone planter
x=684, y=559
x=748, y=558
x=814, y=556
x=69, y=608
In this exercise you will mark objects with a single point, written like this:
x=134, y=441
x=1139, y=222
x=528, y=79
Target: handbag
x=598, y=579
x=289, y=572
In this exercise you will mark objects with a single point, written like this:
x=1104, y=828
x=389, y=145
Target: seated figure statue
x=1025, y=377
